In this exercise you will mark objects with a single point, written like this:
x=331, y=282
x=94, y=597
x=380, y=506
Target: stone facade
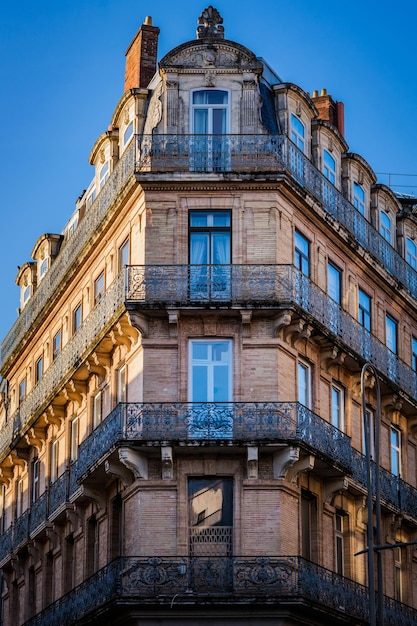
x=181, y=423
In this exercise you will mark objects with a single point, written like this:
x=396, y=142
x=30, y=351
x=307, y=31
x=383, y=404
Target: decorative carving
x=97, y=495
x=246, y=323
x=253, y=462
x=136, y=462
x=333, y=487
x=120, y=471
x=331, y=356
x=283, y=459
x=140, y=322
x=36, y=437
x=173, y=317
x=282, y=320
x=210, y=24
x=167, y=463
x=302, y=465
x=210, y=78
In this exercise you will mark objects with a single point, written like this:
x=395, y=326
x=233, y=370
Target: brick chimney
x=329, y=110
x=141, y=56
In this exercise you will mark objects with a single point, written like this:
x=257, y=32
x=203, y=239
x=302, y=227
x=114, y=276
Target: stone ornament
x=210, y=24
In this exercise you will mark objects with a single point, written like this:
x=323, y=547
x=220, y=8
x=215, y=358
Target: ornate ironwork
x=160, y=579
x=267, y=286
x=58, y=492
x=38, y=512
x=98, y=321
x=270, y=153
x=69, y=254
x=21, y=529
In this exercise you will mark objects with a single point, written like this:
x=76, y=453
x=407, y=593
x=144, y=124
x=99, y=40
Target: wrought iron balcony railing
x=269, y=153
x=40, y=511
x=95, y=324
x=228, y=580
x=69, y=253
x=259, y=422
x=150, y=286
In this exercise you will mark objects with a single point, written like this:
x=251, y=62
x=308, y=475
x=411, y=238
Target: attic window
x=128, y=133
x=104, y=174
x=43, y=268
x=26, y=294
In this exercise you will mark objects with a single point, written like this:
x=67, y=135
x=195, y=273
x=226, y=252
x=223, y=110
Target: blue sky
x=62, y=75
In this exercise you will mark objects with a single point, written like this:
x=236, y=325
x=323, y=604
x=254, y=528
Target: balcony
x=261, y=423
x=239, y=154
x=100, y=320
x=266, y=286
x=41, y=511
x=184, y=584
x=68, y=257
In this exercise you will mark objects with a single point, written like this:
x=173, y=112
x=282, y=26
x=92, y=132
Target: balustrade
x=235, y=579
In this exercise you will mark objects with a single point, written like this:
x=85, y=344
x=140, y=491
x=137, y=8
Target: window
x=364, y=309
x=334, y=282
x=210, y=239
x=414, y=353
x=104, y=174
x=74, y=440
x=26, y=294
x=385, y=226
x=308, y=524
x=72, y=226
x=359, y=198
x=210, y=512
x=209, y=112
x=22, y=390
x=370, y=425
x=128, y=133
x=91, y=197
x=121, y=384
x=301, y=253
x=297, y=132
x=53, y=461
x=329, y=167
x=304, y=384
x=210, y=370
x=3, y=509
x=38, y=369
x=398, y=573
x=209, y=123
x=19, y=497
x=43, y=268
x=97, y=409
x=411, y=252
x=337, y=406
x=77, y=317
x=35, y=479
x=98, y=288
x=339, y=541
x=395, y=442
x=124, y=254
x=56, y=345
x=391, y=334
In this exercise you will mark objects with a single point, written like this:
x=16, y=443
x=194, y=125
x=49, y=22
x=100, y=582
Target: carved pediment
x=205, y=55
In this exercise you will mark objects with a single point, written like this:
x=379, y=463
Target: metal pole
x=373, y=614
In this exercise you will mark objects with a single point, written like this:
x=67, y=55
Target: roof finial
x=210, y=21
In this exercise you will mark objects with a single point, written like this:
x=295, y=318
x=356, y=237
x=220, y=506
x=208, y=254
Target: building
x=181, y=431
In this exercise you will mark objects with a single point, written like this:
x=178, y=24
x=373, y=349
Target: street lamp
x=372, y=549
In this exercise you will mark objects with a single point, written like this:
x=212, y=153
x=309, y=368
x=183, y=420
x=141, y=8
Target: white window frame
x=128, y=133
x=56, y=344
x=395, y=450
x=35, y=479
x=334, y=290
x=38, y=369
x=411, y=252
x=364, y=314
x=209, y=364
x=97, y=408
x=104, y=174
x=339, y=543
x=19, y=497
x=124, y=254
x=53, y=461
x=398, y=574
x=77, y=317
x=301, y=257
x=210, y=107
x=329, y=166
x=99, y=286
x=385, y=226
x=391, y=333
x=121, y=384
x=297, y=132
x=74, y=436
x=43, y=267
x=337, y=405
x=304, y=383
x=359, y=197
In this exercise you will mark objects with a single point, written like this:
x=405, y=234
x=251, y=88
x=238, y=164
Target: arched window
x=411, y=252
x=297, y=132
x=385, y=226
x=329, y=166
x=359, y=198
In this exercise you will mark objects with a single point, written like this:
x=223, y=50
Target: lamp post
x=376, y=616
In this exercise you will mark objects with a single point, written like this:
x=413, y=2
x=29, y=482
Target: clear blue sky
x=62, y=75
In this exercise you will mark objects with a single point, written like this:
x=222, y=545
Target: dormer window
x=127, y=135
x=209, y=115
x=72, y=226
x=411, y=252
x=104, y=174
x=91, y=197
x=26, y=294
x=43, y=268
x=359, y=198
x=385, y=226
x=329, y=166
x=297, y=133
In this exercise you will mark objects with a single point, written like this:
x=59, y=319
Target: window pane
x=385, y=226
x=210, y=96
x=391, y=334
x=303, y=384
x=364, y=309
x=333, y=282
x=301, y=253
